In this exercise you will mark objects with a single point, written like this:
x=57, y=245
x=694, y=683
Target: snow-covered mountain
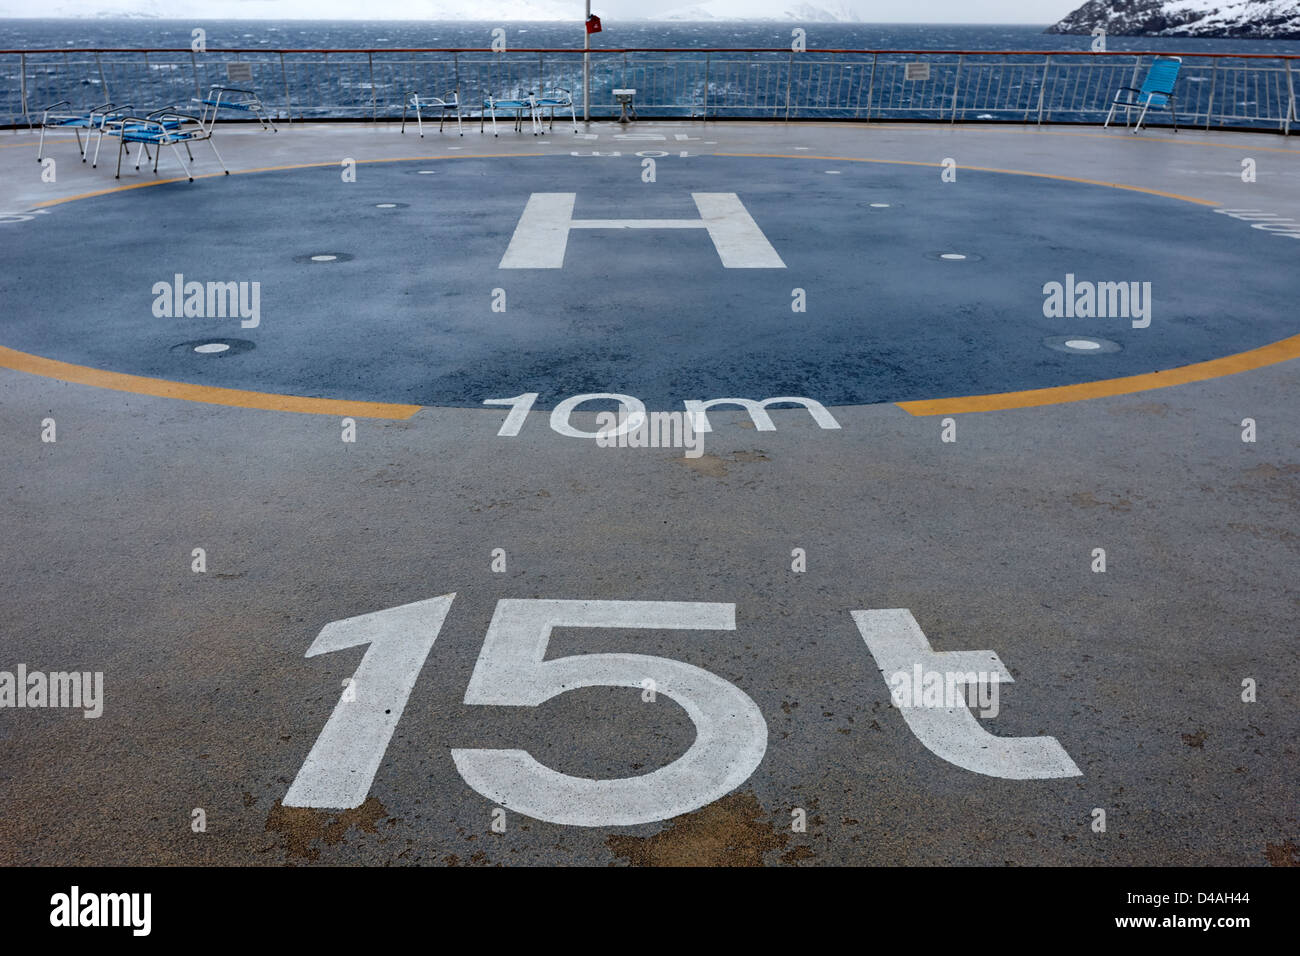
x=1265, y=19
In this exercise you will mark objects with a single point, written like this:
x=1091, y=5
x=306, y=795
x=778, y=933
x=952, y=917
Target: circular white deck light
x=323, y=258
x=951, y=255
x=426, y=172
x=1082, y=344
x=212, y=348
x=832, y=172
x=385, y=205
x=880, y=205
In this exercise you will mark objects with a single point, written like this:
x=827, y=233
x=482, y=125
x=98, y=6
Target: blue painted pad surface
x=651, y=313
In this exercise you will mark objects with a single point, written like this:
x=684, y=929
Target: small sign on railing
x=916, y=71
x=240, y=72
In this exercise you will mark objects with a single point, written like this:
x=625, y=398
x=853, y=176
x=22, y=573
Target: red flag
x=593, y=24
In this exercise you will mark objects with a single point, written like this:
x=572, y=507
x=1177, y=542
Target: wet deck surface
x=988, y=540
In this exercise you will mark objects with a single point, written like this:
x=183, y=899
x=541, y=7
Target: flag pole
x=586, y=68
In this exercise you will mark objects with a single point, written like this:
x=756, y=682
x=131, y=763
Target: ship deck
x=967, y=453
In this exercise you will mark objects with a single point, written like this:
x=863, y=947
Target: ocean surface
x=335, y=34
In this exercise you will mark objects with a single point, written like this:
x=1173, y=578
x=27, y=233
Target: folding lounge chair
x=519, y=105
x=1157, y=90
x=443, y=104
x=230, y=98
x=123, y=113
x=159, y=130
x=90, y=120
x=558, y=99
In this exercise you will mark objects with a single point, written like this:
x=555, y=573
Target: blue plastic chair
x=1157, y=90
x=231, y=98
x=444, y=104
x=519, y=106
x=89, y=120
x=557, y=98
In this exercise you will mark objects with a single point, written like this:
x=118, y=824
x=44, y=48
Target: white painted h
x=540, y=238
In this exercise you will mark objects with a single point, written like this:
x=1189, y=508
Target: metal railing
x=1256, y=91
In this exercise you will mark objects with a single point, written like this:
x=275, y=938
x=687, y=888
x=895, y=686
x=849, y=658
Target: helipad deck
x=998, y=351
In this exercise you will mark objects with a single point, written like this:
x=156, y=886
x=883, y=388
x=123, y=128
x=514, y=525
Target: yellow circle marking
x=162, y=388
x=1281, y=351
x=213, y=395
x=1271, y=354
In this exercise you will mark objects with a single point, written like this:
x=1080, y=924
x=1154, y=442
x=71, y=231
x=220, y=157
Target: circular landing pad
x=391, y=288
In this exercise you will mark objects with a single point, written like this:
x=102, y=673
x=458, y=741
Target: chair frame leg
x=218, y=155
x=177, y=153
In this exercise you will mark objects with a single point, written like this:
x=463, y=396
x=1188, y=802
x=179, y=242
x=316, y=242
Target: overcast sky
x=871, y=11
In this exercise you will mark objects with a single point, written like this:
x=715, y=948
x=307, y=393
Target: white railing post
x=1291, y=112
x=871, y=83
x=1214, y=80
x=586, y=68
x=1042, y=88
x=789, y=75
x=103, y=83
x=22, y=84
x=956, y=87
x=706, y=86
x=374, y=104
x=284, y=76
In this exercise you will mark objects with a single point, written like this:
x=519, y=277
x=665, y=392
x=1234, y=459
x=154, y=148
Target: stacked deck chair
x=163, y=128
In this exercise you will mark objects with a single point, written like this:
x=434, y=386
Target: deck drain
x=1081, y=344
x=214, y=348
x=323, y=257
